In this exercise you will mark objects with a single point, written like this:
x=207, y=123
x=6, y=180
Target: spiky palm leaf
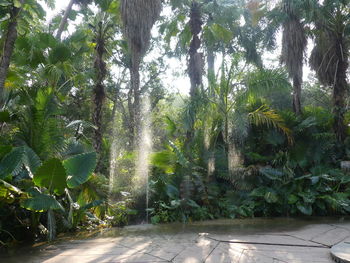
x=266, y=116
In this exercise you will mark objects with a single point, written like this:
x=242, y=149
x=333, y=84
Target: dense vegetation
x=81, y=94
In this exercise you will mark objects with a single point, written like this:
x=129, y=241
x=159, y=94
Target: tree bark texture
x=195, y=64
x=340, y=89
x=9, y=44
x=99, y=95
x=297, y=82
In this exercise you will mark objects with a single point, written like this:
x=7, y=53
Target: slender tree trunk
x=195, y=67
x=297, y=82
x=64, y=19
x=340, y=91
x=294, y=43
x=99, y=97
x=131, y=118
x=9, y=44
x=211, y=70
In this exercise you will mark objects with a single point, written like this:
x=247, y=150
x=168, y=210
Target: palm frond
x=266, y=116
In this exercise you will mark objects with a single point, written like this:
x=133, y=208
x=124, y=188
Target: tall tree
x=66, y=14
x=195, y=63
x=102, y=33
x=10, y=39
x=294, y=43
x=330, y=56
x=64, y=19
x=138, y=17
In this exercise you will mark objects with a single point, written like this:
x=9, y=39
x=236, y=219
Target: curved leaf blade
x=51, y=175
x=41, y=202
x=79, y=168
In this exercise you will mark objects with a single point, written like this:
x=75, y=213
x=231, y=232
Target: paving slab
x=309, y=232
x=236, y=241
x=264, y=239
x=332, y=237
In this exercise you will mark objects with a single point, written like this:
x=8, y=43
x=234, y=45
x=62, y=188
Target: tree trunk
x=297, y=80
x=340, y=91
x=64, y=19
x=99, y=97
x=129, y=122
x=196, y=64
x=9, y=44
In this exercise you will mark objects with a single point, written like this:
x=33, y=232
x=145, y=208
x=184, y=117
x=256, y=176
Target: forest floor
x=218, y=241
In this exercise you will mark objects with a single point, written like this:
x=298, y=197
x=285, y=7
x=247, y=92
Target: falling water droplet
x=113, y=159
x=144, y=151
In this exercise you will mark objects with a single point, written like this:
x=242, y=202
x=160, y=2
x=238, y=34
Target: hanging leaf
x=79, y=168
x=51, y=175
x=221, y=33
x=305, y=209
x=39, y=202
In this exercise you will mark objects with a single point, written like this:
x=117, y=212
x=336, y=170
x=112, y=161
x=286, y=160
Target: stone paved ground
x=241, y=241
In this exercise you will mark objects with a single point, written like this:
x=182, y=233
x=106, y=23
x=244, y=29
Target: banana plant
x=51, y=179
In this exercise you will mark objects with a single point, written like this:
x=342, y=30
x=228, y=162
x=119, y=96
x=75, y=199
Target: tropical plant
x=138, y=19
x=330, y=56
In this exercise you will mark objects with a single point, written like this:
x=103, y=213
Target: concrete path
x=241, y=241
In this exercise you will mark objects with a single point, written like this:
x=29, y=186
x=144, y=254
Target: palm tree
x=138, y=18
x=330, y=56
x=10, y=39
x=293, y=48
x=102, y=32
x=196, y=63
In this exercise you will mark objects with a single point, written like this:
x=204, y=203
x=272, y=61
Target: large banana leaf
x=41, y=202
x=79, y=168
x=51, y=175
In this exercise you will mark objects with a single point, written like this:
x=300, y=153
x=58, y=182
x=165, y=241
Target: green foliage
x=79, y=168
x=52, y=175
x=40, y=202
x=17, y=159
